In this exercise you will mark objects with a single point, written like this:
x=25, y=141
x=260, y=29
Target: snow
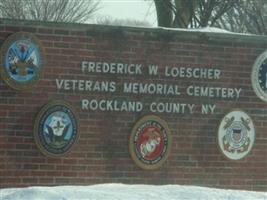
x=127, y=192
x=210, y=29
x=205, y=30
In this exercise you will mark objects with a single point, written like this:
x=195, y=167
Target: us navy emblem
x=56, y=129
x=259, y=76
x=150, y=142
x=236, y=135
x=21, y=60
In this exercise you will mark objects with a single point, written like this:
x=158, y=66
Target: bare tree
x=164, y=12
x=191, y=13
x=210, y=11
x=249, y=16
x=49, y=10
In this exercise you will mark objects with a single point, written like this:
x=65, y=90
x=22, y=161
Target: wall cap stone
x=155, y=33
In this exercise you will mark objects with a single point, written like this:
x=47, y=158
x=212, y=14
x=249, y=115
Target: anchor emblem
x=236, y=134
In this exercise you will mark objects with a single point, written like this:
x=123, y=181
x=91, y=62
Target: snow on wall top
x=209, y=34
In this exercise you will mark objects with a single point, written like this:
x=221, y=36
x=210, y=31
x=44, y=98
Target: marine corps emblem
x=21, y=63
x=149, y=143
x=236, y=135
x=259, y=76
x=56, y=129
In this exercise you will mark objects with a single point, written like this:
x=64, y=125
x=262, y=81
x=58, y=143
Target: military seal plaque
x=236, y=135
x=21, y=60
x=56, y=129
x=259, y=76
x=150, y=142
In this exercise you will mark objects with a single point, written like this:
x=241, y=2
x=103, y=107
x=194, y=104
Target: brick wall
x=101, y=152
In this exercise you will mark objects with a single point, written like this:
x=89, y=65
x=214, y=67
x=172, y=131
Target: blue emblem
x=259, y=76
x=263, y=76
x=56, y=129
x=21, y=61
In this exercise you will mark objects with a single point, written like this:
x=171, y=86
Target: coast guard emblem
x=150, y=142
x=259, y=76
x=21, y=61
x=56, y=129
x=236, y=135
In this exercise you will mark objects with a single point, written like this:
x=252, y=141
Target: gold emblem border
x=132, y=146
x=217, y=138
x=37, y=123
x=5, y=46
x=255, y=76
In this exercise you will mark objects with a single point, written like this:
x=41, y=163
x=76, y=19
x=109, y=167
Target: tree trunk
x=185, y=11
x=164, y=12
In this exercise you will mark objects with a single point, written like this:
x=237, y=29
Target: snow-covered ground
x=127, y=192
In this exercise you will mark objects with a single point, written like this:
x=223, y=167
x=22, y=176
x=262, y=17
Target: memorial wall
x=87, y=104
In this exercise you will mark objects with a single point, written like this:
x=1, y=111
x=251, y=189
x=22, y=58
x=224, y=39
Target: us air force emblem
x=259, y=76
x=56, y=129
x=150, y=142
x=236, y=135
x=21, y=60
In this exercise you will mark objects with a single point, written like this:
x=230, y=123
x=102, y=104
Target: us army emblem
x=21, y=60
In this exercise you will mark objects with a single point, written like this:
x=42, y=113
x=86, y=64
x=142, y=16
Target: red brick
x=101, y=152
x=45, y=31
x=29, y=29
x=13, y=28
x=61, y=32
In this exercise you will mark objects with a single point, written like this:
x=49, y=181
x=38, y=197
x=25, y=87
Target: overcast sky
x=142, y=10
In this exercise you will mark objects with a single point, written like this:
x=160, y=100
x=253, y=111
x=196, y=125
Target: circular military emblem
x=21, y=62
x=236, y=135
x=56, y=129
x=259, y=76
x=149, y=143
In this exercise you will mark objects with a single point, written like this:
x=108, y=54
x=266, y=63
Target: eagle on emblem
x=236, y=132
x=22, y=62
x=149, y=146
x=57, y=130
